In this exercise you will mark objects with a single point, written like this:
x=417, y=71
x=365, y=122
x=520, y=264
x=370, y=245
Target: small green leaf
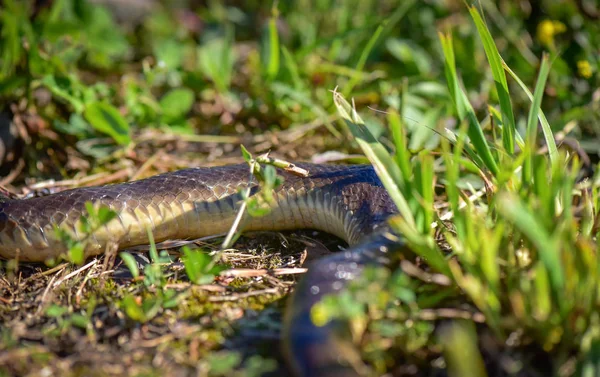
x=76, y=253
x=80, y=321
x=131, y=264
x=177, y=103
x=132, y=309
x=270, y=176
x=459, y=343
x=64, y=88
x=169, y=53
x=223, y=363
x=217, y=59
x=55, y=311
x=256, y=209
x=89, y=207
x=107, y=119
x=105, y=214
x=170, y=299
x=197, y=263
x=151, y=306
x=84, y=225
x=245, y=154
x=76, y=126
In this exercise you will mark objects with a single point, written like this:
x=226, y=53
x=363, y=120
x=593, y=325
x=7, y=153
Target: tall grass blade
x=463, y=107
x=424, y=178
x=402, y=153
x=532, y=118
x=495, y=61
x=362, y=60
x=273, y=66
x=385, y=166
x=548, y=135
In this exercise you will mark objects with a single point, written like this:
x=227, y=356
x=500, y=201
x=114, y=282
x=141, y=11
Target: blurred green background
x=91, y=79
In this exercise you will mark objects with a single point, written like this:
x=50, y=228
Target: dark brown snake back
x=347, y=201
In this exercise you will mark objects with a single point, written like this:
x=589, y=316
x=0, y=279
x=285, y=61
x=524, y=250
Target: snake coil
x=347, y=201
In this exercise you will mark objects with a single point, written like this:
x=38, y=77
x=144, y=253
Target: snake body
x=347, y=201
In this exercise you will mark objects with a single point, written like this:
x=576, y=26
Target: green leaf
x=292, y=68
x=223, y=363
x=76, y=126
x=131, y=264
x=107, y=119
x=105, y=214
x=245, y=154
x=132, y=309
x=177, y=103
x=216, y=59
x=151, y=306
x=84, y=225
x=424, y=179
x=256, y=208
x=402, y=152
x=55, y=311
x=90, y=209
x=76, y=253
x=64, y=88
x=169, y=53
x=197, y=266
x=80, y=321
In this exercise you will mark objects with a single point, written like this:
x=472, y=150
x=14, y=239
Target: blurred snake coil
x=347, y=201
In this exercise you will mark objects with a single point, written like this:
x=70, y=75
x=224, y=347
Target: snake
x=348, y=201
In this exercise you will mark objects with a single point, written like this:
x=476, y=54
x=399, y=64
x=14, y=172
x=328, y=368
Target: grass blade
x=384, y=164
x=514, y=210
x=463, y=107
x=548, y=135
x=402, y=153
x=363, y=59
x=532, y=118
x=495, y=61
x=273, y=66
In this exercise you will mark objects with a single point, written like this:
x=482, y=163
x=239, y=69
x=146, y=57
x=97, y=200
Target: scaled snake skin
x=347, y=201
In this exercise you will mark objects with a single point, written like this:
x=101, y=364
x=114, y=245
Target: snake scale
x=347, y=201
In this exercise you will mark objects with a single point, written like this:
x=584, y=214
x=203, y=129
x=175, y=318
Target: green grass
x=519, y=254
x=452, y=104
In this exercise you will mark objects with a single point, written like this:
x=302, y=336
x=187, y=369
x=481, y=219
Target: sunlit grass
x=519, y=251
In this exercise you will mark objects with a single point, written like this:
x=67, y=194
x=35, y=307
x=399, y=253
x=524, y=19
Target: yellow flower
x=584, y=68
x=547, y=29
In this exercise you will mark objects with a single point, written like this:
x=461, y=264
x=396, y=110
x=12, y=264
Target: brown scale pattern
x=348, y=201
x=194, y=203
